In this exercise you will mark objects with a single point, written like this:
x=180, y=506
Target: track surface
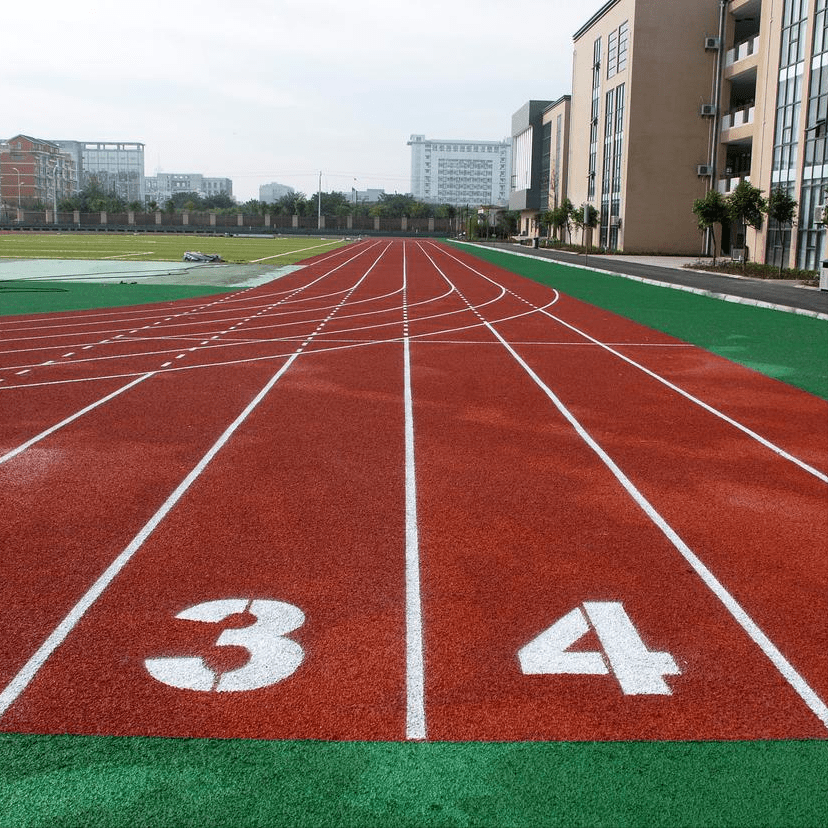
x=378, y=480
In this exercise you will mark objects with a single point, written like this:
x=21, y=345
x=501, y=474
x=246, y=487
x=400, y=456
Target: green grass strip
x=785, y=346
x=23, y=296
x=112, y=781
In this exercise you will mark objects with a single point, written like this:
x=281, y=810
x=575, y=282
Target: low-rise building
x=35, y=172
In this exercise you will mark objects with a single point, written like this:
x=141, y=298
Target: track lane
x=599, y=398
x=273, y=512
x=473, y=413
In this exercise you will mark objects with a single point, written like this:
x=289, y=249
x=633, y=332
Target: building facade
x=670, y=100
x=270, y=193
x=639, y=129
x=540, y=149
x=460, y=172
x=117, y=168
x=162, y=187
x=34, y=172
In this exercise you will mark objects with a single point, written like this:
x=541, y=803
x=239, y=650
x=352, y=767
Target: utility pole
x=319, y=204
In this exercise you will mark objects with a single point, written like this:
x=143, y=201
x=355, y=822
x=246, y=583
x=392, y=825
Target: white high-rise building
x=460, y=172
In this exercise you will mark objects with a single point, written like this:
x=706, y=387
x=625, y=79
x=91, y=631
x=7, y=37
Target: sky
x=264, y=91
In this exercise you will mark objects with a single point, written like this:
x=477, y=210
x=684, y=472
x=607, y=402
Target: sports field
x=404, y=538
x=159, y=247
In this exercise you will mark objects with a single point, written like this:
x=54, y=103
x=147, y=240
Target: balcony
x=742, y=51
x=738, y=117
x=727, y=185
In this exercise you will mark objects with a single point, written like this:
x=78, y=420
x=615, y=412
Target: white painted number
x=639, y=671
x=272, y=656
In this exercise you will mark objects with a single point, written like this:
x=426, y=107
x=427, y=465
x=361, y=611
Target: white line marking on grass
x=415, y=721
x=36, y=439
x=289, y=252
x=785, y=668
x=30, y=669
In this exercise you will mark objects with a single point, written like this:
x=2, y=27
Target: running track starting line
x=387, y=498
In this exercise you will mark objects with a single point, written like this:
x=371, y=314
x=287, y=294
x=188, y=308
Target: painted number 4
x=272, y=656
x=639, y=671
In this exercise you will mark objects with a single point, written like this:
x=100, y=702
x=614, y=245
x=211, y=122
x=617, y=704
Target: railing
x=742, y=50
x=738, y=117
x=728, y=185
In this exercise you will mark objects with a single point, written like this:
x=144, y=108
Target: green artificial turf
x=112, y=781
x=24, y=296
x=787, y=346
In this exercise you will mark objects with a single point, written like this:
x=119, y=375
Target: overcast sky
x=280, y=90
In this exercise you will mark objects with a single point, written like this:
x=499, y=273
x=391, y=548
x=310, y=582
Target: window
x=617, y=48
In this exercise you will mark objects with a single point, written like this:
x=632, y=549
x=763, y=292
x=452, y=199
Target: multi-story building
x=35, y=172
x=460, y=172
x=270, y=193
x=116, y=167
x=639, y=129
x=162, y=187
x=670, y=100
x=540, y=147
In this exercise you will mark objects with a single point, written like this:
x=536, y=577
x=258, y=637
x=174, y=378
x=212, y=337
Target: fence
x=237, y=223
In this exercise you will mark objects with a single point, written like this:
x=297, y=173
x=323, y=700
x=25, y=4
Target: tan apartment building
x=672, y=99
x=641, y=76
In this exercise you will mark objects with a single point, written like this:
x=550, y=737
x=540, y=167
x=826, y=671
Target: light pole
x=54, y=192
x=18, y=188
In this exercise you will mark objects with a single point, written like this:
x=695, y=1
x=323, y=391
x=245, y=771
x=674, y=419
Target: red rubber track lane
x=525, y=531
x=519, y=522
x=298, y=507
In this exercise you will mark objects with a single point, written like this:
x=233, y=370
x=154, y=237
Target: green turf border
x=786, y=346
x=23, y=296
x=117, y=781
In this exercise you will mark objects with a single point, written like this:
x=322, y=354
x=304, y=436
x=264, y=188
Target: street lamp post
x=18, y=188
x=54, y=192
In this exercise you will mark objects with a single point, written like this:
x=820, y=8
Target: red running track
x=404, y=494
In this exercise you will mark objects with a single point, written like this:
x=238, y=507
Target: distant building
x=369, y=196
x=270, y=193
x=540, y=147
x=116, y=167
x=35, y=171
x=162, y=187
x=460, y=172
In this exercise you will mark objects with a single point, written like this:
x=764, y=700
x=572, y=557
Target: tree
x=711, y=210
x=781, y=208
x=577, y=217
x=745, y=206
x=562, y=218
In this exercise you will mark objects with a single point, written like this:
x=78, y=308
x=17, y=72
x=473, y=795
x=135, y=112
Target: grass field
x=147, y=247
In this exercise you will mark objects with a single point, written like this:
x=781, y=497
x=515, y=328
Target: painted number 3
x=272, y=656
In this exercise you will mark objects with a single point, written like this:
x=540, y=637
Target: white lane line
x=785, y=668
x=30, y=669
x=672, y=386
x=415, y=720
x=291, y=252
x=36, y=439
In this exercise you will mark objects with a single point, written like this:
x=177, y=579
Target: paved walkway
x=782, y=293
